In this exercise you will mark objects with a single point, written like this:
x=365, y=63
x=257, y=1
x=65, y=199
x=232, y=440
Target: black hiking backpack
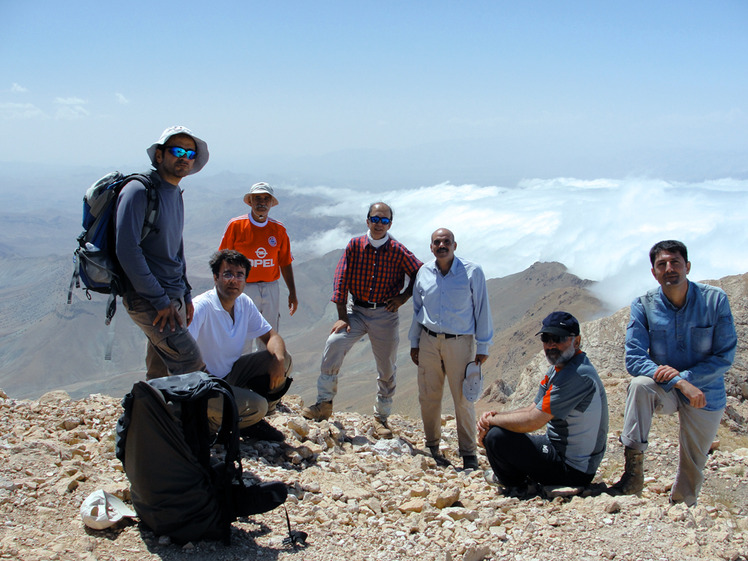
x=178, y=488
x=95, y=262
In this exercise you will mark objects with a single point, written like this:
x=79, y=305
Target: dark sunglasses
x=550, y=338
x=378, y=219
x=179, y=152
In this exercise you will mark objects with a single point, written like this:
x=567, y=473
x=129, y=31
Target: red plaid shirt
x=373, y=275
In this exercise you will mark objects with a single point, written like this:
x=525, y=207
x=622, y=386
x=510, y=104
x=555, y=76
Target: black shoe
x=470, y=462
x=262, y=430
x=438, y=458
x=256, y=499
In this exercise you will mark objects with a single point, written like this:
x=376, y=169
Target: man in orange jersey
x=265, y=243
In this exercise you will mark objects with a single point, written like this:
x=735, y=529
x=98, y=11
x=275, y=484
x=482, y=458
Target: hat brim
x=556, y=331
x=273, y=203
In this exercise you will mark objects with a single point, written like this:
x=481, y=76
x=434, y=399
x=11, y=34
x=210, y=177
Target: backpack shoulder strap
x=151, y=209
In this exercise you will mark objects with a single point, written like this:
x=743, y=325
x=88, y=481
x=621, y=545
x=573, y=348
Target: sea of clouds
x=600, y=229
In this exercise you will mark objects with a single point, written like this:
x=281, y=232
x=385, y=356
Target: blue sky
x=403, y=93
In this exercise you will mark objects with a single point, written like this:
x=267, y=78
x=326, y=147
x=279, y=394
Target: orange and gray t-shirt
x=265, y=244
x=576, y=398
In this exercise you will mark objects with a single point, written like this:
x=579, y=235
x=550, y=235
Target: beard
x=556, y=357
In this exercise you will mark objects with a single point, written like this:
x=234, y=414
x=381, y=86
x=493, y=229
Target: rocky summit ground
x=357, y=498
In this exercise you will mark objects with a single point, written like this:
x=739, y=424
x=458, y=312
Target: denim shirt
x=698, y=340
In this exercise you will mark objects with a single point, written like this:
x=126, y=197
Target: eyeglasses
x=378, y=219
x=228, y=275
x=550, y=338
x=179, y=152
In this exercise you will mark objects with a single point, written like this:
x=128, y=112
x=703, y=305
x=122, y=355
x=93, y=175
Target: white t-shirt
x=221, y=339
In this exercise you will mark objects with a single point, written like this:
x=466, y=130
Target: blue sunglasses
x=179, y=152
x=378, y=219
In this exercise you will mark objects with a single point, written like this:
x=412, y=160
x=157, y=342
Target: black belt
x=434, y=334
x=370, y=305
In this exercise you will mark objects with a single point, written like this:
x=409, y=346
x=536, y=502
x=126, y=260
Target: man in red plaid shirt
x=373, y=270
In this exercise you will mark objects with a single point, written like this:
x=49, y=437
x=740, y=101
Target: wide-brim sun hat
x=101, y=510
x=201, y=147
x=258, y=188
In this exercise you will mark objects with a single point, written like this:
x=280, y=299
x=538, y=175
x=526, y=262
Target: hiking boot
x=381, y=429
x=470, y=462
x=632, y=480
x=438, y=457
x=262, y=430
x=320, y=411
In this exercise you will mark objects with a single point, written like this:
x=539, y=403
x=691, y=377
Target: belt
x=434, y=334
x=370, y=305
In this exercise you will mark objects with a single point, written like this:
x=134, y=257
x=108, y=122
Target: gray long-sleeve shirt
x=155, y=266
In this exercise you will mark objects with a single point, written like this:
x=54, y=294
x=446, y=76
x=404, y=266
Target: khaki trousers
x=439, y=357
x=698, y=428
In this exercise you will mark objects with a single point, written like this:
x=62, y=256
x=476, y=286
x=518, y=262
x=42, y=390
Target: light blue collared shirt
x=455, y=303
x=698, y=340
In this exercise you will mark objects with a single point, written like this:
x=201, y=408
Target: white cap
x=101, y=510
x=200, y=147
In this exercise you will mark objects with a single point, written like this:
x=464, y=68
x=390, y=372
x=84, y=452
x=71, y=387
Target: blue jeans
x=168, y=352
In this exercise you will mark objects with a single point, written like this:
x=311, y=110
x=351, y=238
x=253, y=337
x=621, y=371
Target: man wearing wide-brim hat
x=264, y=241
x=158, y=297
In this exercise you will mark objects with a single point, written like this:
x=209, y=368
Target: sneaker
x=470, y=462
x=381, y=428
x=438, y=457
x=320, y=411
x=262, y=430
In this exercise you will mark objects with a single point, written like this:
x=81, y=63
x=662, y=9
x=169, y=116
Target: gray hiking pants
x=382, y=327
x=697, y=431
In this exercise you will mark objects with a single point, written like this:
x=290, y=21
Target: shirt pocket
x=701, y=340
x=658, y=345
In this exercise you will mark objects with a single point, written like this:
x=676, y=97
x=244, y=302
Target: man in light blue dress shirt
x=450, y=311
x=680, y=341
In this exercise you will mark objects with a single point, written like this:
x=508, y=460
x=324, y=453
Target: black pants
x=518, y=458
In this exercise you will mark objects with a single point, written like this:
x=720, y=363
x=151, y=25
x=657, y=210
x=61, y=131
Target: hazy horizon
x=386, y=94
x=601, y=230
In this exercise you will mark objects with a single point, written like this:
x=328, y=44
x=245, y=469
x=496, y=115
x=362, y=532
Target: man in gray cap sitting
x=570, y=402
x=265, y=243
x=158, y=296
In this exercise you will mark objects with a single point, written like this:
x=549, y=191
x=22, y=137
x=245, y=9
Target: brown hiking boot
x=632, y=480
x=320, y=411
x=381, y=429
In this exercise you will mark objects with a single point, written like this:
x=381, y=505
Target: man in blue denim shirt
x=680, y=337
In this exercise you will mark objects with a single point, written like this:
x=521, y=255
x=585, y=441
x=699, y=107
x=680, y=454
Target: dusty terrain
x=358, y=498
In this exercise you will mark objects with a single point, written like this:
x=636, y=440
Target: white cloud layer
x=121, y=99
x=602, y=230
x=71, y=108
x=20, y=111
x=18, y=88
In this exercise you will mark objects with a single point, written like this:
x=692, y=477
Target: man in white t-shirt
x=224, y=320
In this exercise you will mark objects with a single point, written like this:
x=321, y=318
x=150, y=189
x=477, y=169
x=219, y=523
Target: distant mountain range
x=46, y=344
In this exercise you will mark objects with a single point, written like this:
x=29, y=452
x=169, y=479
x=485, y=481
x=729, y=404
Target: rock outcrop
x=356, y=497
